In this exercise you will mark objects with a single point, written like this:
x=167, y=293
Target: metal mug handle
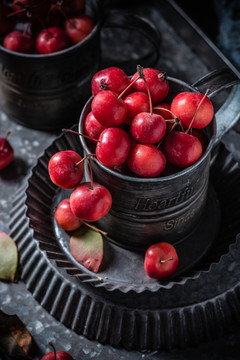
x=123, y=19
x=229, y=113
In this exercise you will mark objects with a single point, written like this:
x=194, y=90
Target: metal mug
x=165, y=208
x=45, y=91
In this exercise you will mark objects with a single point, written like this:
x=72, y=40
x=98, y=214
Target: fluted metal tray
x=199, y=304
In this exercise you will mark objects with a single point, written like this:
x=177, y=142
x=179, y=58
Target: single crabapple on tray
x=6, y=152
x=161, y=260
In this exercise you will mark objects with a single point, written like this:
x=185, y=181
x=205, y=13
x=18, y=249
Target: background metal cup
x=46, y=91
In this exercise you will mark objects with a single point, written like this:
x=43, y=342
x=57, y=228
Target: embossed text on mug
x=147, y=204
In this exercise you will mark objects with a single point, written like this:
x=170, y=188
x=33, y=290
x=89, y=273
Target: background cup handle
x=229, y=113
x=123, y=19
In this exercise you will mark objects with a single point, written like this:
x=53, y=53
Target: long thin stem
x=199, y=105
x=128, y=87
x=84, y=158
x=55, y=353
x=77, y=133
x=95, y=228
x=26, y=28
x=16, y=12
x=142, y=76
x=161, y=108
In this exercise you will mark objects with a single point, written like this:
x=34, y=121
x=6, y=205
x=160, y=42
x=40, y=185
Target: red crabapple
x=146, y=160
x=112, y=78
x=148, y=128
x=92, y=127
x=90, y=201
x=113, y=147
x=77, y=28
x=65, y=217
x=181, y=149
x=185, y=106
x=66, y=169
x=161, y=260
x=6, y=152
x=51, y=40
x=136, y=102
x=157, y=83
x=19, y=41
x=108, y=109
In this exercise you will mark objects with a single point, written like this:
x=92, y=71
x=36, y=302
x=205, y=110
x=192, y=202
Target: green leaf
x=8, y=257
x=15, y=339
x=86, y=246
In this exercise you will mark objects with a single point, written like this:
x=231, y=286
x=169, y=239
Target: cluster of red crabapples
x=89, y=201
x=43, y=26
x=132, y=124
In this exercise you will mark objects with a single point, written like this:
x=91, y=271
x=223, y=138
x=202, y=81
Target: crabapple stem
x=95, y=228
x=77, y=133
x=180, y=124
x=55, y=354
x=142, y=76
x=16, y=12
x=162, y=261
x=26, y=29
x=84, y=158
x=59, y=4
x=161, y=108
x=199, y=105
x=128, y=87
x=6, y=136
x=176, y=120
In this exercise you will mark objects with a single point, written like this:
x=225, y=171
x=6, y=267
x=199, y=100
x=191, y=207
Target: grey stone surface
x=28, y=144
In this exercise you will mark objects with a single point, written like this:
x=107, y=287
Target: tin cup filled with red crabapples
x=49, y=50
x=151, y=136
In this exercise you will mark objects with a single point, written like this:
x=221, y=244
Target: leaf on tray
x=15, y=339
x=86, y=246
x=8, y=257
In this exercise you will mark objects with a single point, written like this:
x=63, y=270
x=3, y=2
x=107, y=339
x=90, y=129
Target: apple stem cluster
x=84, y=158
x=142, y=76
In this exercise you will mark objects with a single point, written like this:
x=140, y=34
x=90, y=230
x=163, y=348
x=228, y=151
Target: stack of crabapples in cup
x=43, y=26
x=89, y=201
x=135, y=130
